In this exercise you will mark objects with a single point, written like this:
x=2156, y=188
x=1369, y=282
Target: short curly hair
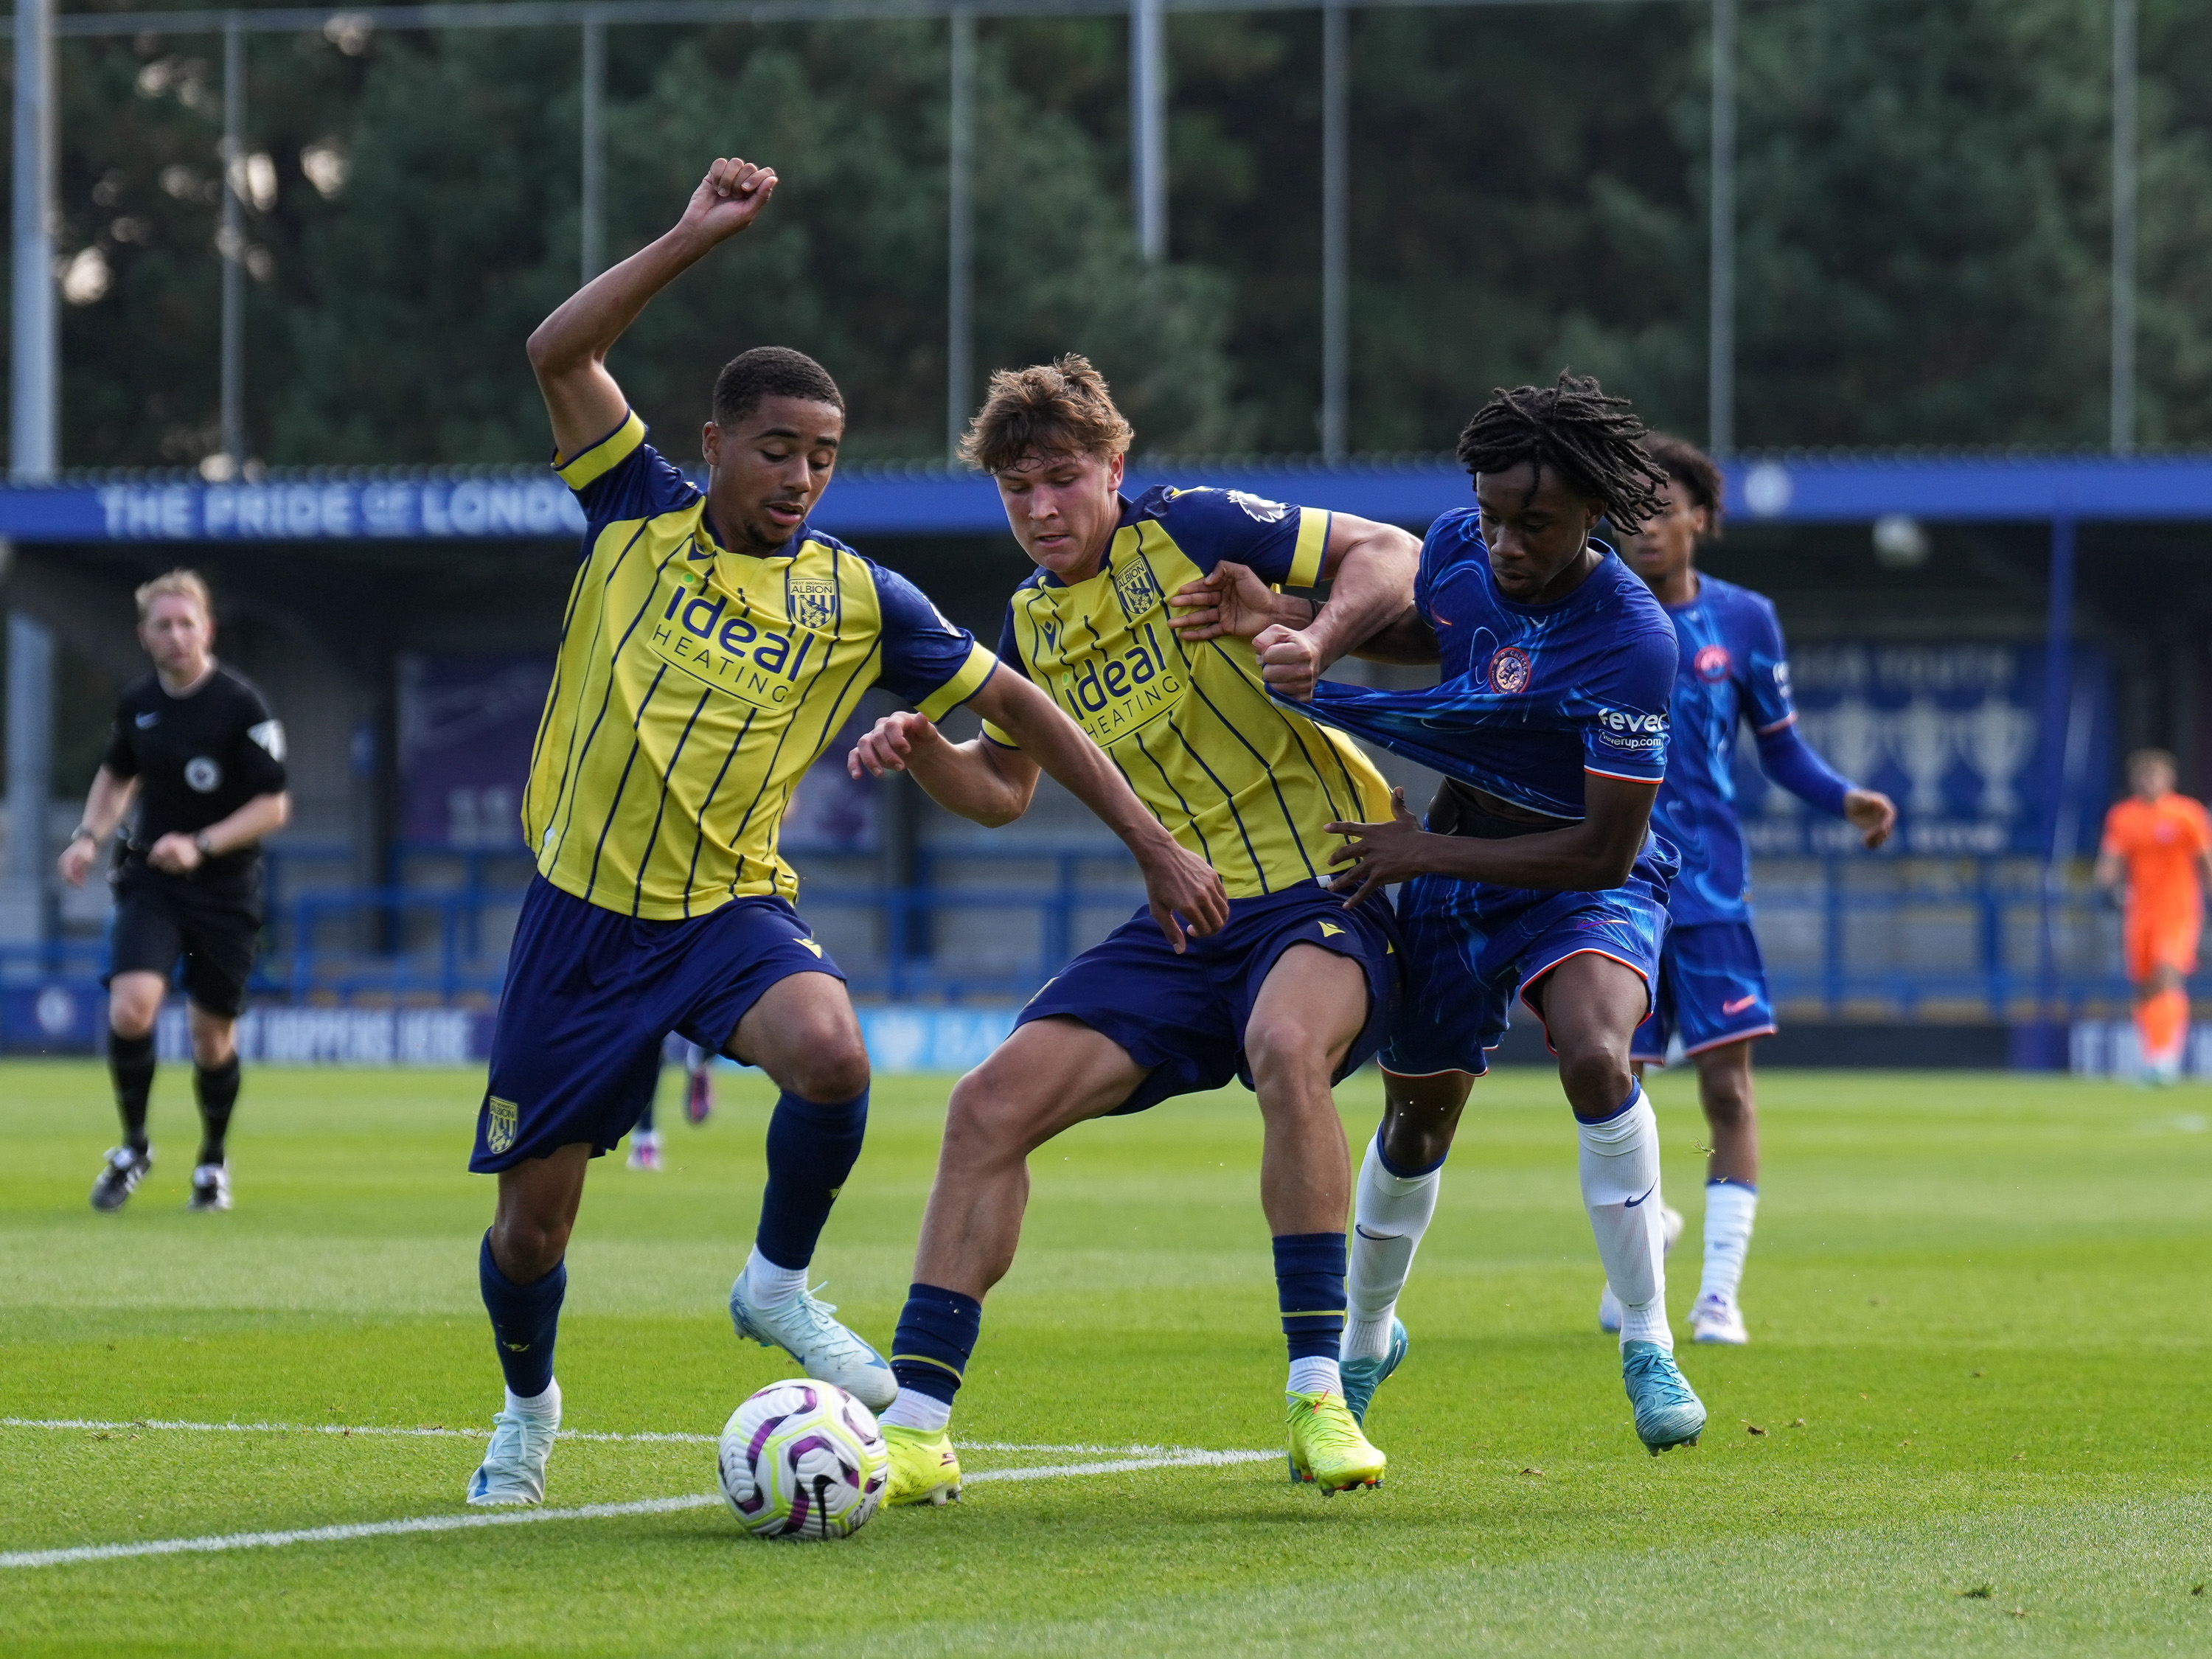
x=180, y=583
x=771, y=372
x=1060, y=408
x=1592, y=441
x=1691, y=468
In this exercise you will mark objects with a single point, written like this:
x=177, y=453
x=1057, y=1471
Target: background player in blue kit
x=1536, y=874
x=1712, y=985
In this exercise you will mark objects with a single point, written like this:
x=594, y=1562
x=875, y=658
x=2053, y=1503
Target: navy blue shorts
x=1712, y=991
x=1184, y=1015
x=1471, y=948
x=591, y=993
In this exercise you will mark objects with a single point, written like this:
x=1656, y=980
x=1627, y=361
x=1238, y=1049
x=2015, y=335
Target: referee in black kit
x=196, y=745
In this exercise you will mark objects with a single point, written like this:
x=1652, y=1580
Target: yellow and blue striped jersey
x=1238, y=779
x=695, y=686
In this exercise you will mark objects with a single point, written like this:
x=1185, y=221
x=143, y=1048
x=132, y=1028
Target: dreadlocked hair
x=1591, y=441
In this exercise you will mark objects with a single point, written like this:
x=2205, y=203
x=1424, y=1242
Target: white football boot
x=210, y=1188
x=1716, y=1320
x=802, y=1327
x=1609, y=1305
x=513, y=1470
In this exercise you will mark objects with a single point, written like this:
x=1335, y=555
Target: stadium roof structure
x=935, y=499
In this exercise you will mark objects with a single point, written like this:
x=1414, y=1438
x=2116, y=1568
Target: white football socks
x=1392, y=1213
x=1730, y=1207
x=539, y=1406
x=915, y=1409
x=1621, y=1189
x=1315, y=1377
x=767, y=1285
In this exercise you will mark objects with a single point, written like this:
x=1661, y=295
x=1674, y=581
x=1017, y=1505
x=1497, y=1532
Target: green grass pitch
x=1975, y=1417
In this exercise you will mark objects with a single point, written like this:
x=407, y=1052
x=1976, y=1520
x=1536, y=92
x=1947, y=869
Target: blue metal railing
x=411, y=941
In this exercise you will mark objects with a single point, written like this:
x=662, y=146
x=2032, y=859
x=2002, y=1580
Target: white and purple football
x=803, y=1459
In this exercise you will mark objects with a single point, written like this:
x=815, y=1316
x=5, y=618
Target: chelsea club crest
x=1509, y=670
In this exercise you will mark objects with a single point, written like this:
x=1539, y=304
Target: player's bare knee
x=835, y=1073
x=1596, y=1078
x=1280, y=1048
x=986, y=1121
x=527, y=1247
x=1728, y=1106
x=131, y=1020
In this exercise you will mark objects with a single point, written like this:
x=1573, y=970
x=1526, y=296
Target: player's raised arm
x=568, y=350
x=991, y=784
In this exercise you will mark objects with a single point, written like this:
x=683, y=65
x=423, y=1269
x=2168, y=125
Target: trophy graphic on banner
x=2000, y=736
x=1851, y=737
x=1923, y=747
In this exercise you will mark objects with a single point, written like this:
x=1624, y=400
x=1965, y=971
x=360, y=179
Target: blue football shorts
x=1712, y=991
x=1471, y=948
x=1184, y=1015
x=592, y=993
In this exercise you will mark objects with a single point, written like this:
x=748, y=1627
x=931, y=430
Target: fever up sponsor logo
x=720, y=640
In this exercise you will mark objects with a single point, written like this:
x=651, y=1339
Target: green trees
x=1923, y=213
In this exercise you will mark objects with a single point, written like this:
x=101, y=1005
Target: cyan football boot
x=1362, y=1376
x=802, y=1327
x=1669, y=1413
x=513, y=1470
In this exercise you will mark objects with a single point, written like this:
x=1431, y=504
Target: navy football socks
x=524, y=1320
x=811, y=1148
x=1309, y=1288
x=216, y=1088
x=936, y=1334
x=130, y=1065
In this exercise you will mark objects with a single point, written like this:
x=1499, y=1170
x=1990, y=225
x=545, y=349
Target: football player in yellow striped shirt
x=1294, y=993
x=713, y=646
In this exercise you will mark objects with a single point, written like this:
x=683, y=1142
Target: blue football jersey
x=1532, y=696
x=1733, y=666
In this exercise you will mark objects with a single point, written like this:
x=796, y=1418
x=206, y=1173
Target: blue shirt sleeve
x=1765, y=662
x=623, y=477
x=1626, y=735
x=1786, y=757
x=1447, y=540
x=926, y=660
x=1284, y=544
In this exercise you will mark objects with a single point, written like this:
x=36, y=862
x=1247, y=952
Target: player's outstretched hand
x=1185, y=893
x=1379, y=853
x=1232, y=600
x=1872, y=813
x=892, y=743
x=729, y=198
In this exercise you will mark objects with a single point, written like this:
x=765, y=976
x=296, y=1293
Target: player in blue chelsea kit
x=1536, y=874
x=1712, y=985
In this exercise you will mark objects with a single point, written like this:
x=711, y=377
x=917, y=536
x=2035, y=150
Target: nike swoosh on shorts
x=1738, y=1005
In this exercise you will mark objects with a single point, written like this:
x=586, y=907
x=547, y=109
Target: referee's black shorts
x=216, y=932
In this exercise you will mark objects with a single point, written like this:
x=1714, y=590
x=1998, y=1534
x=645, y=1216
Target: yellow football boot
x=925, y=1469
x=1327, y=1445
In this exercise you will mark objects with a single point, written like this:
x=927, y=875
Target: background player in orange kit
x=2159, y=845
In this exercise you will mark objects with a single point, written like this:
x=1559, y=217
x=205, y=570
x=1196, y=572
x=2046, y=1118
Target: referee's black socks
x=131, y=1064
x=216, y=1087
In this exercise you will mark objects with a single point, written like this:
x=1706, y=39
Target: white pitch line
x=662, y=1436
x=218, y=1542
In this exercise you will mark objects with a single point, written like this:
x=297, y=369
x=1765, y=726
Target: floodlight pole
x=1335, y=224
x=2125, y=18
x=590, y=228
x=34, y=337
x=231, y=240
x=1148, y=137
x=960, y=236
x=33, y=405
x=1720, y=330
